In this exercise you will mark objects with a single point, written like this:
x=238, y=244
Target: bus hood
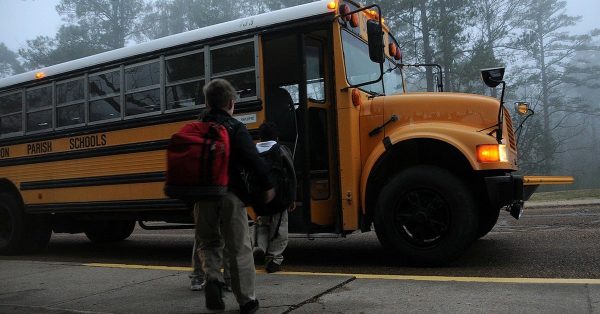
x=480, y=112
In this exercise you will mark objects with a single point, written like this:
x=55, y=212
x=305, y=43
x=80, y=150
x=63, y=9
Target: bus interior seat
x=281, y=112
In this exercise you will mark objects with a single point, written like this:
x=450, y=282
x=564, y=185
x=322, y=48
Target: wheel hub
x=422, y=217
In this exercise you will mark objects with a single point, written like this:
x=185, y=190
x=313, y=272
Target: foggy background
x=549, y=47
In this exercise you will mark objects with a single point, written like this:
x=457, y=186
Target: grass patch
x=565, y=195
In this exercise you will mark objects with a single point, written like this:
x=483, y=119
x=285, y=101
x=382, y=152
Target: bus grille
x=509, y=129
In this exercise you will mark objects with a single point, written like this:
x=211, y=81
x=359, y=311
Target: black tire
x=19, y=232
x=427, y=215
x=488, y=217
x=109, y=230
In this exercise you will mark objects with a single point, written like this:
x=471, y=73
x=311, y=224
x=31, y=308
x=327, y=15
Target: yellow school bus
x=82, y=143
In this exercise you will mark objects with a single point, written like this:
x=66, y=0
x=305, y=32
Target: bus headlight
x=492, y=153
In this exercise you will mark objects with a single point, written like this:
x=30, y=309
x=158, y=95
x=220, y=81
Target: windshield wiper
x=373, y=94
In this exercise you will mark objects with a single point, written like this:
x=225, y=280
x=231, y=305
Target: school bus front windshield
x=359, y=68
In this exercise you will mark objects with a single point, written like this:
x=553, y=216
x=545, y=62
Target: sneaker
x=272, y=267
x=197, y=284
x=259, y=256
x=214, y=296
x=250, y=307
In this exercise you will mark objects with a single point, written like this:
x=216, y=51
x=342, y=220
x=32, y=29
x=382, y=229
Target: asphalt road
x=547, y=242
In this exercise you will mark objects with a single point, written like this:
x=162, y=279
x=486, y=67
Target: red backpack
x=197, y=162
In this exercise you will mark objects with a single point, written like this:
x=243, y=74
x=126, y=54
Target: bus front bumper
x=513, y=190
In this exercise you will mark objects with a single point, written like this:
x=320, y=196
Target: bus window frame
x=208, y=65
x=321, y=47
x=121, y=70
x=22, y=112
x=360, y=86
x=118, y=69
x=167, y=84
x=83, y=101
x=160, y=86
x=52, y=108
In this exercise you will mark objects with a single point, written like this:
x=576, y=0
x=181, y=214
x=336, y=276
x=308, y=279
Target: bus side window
x=10, y=113
x=237, y=64
x=70, y=103
x=315, y=84
x=39, y=108
x=104, y=91
x=184, y=80
x=142, y=88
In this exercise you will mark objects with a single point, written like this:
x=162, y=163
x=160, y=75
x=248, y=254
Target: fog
x=21, y=20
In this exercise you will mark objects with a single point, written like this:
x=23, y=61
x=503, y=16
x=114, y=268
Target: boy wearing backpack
x=271, y=231
x=222, y=220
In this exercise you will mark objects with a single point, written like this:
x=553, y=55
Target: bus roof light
x=372, y=14
x=332, y=5
x=392, y=49
x=40, y=75
x=354, y=20
x=398, y=55
x=344, y=10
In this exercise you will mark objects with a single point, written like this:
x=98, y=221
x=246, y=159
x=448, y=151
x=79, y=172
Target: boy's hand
x=269, y=195
x=292, y=207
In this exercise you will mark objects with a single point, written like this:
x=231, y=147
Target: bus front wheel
x=19, y=232
x=488, y=217
x=427, y=215
x=109, y=230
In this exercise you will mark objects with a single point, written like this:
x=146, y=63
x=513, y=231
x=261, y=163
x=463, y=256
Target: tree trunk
x=427, y=50
x=547, y=138
x=446, y=48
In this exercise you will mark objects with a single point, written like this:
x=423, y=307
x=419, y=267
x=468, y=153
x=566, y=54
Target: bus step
x=164, y=226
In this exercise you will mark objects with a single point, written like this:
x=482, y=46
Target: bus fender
x=449, y=135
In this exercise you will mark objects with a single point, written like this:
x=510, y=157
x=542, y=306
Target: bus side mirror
x=375, y=33
x=492, y=77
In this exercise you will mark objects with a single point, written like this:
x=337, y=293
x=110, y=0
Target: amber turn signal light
x=491, y=153
x=356, y=101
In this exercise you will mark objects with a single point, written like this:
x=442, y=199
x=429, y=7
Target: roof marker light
x=374, y=15
x=392, y=49
x=40, y=75
x=398, y=55
x=344, y=10
x=332, y=5
x=354, y=20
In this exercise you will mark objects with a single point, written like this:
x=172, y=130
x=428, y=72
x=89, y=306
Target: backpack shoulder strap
x=287, y=158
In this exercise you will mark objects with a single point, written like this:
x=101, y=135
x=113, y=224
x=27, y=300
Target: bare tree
x=549, y=49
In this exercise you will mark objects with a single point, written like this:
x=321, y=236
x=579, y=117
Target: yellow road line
x=138, y=266
x=387, y=277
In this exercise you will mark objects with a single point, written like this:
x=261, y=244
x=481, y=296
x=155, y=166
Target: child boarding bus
x=82, y=143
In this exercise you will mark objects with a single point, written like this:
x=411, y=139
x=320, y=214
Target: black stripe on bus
x=111, y=206
x=96, y=152
x=242, y=107
x=94, y=181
